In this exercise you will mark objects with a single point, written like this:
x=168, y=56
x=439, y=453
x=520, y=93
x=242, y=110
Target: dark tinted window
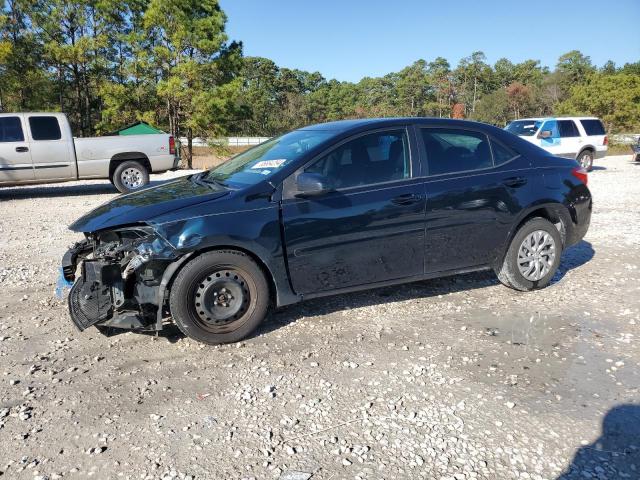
x=502, y=153
x=568, y=128
x=44, y=128
x=593, y=127
x=11, y=129
x=375, y=158
x=455, y=150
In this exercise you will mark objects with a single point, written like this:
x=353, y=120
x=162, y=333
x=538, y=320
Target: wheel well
x=585, y=149
x=548, y=213
x=126, y=156
x=267, y=273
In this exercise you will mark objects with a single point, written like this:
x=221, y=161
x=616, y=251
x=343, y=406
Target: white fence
x=625, y=138
x=229, y=141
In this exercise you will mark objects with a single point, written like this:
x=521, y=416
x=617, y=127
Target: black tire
x=137, y=173
x=585, y=159
x=203, y=281
x=509, y=273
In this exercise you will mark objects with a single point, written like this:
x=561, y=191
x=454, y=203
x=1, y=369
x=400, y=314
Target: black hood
x=146, y=204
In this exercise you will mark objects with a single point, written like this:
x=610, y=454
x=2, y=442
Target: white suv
x=581, y=138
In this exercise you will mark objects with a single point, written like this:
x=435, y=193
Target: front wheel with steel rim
x=130, y=176
x=219, y=297
x=533, y=256
x=586, y=160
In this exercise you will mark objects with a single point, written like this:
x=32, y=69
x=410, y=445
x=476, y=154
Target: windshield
x=524, y=128
x=260, y=162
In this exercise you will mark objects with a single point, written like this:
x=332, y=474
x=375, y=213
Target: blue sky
x=351, y=39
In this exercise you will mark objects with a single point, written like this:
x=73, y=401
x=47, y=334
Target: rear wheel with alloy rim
x=585, y=159
x=219, y=297
x=533, y=256
x=130, y=176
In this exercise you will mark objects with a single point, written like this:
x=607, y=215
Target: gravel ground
x=455, y=378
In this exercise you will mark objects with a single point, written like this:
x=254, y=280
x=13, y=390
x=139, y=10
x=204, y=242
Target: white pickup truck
x=40, y=148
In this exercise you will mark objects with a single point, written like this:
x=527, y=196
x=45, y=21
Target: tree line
x=170, y=63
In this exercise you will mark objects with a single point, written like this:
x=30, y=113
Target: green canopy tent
x=138, y=128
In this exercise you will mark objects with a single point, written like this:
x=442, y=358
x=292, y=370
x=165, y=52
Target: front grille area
x=90, y=299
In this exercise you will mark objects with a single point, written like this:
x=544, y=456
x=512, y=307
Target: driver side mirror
x=545, y=134
x=312, y=184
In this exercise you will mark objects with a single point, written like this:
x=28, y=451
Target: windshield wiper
x=200, y=179
x=213, y=181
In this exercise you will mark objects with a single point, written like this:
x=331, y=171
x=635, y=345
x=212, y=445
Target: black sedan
x=326, y=209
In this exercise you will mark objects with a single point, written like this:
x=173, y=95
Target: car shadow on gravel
x=572, y=258
x=615, y=454
x=63, y=190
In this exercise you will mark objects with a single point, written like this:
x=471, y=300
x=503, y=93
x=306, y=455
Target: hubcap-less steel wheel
x=536, y=255
x=220, y=299
x=131, y=178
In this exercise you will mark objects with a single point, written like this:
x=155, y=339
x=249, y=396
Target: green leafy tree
x=494, y=108
x=473, y=76
x=573, y=68
x=24, y=80
x=613, y=98
x=189, y=45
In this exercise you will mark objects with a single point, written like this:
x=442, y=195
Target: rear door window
x=452, y=150
x=568, y=129
x=593, y=127
x=11, y=129
x=45, y=128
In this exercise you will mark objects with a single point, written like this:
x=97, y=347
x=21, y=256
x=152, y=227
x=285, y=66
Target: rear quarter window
x=593, y=127
x=44, y=128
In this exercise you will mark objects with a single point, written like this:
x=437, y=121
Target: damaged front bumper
x=122, y=278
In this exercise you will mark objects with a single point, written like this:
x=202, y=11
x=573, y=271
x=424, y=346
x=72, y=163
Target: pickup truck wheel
x=129, y=176
x=585, y=159
x=533, y=256
x=219, y=297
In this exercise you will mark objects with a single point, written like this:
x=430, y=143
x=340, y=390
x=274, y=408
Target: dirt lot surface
x=456, y=378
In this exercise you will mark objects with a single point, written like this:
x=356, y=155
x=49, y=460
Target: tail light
x=172, y=145
x=605, y=142
x=581, y=174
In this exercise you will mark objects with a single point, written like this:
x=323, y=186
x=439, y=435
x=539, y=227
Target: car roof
x=538, y=119
x=363, y=123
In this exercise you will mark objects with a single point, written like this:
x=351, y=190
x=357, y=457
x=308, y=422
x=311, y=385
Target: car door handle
x=22, y=149
x=515, y=181
x=407, y=199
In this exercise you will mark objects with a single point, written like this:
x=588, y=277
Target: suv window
x=44, y=128
x=552, y=126
x=455, y=150
x=524, y=128
x=568, y=128
x=374, y=158
x=11, y=130
x=593, y=127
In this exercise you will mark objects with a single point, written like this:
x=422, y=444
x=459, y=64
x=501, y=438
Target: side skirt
x=397, y=281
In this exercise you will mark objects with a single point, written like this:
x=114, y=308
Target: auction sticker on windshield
x=269, y=163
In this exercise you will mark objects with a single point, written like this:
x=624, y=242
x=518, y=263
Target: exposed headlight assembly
x=145, y=249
